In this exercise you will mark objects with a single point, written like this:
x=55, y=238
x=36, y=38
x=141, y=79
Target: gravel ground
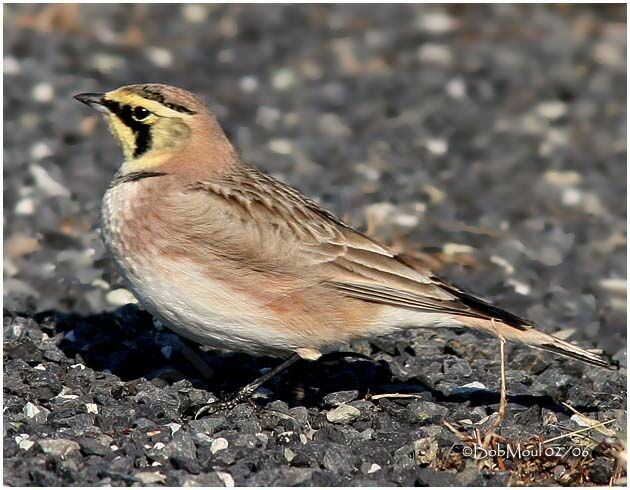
x=488, y=140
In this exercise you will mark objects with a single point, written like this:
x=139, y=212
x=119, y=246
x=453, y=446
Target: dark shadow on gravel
x=126, y=343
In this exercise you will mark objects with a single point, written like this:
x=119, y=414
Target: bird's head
x=154, y=123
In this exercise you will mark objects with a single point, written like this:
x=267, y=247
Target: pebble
x=435, y=22
x=25, y=207
x=281, y=146
x=107, y=63
x=150, y=477
x=43, y=93
x=226, y=478
x=218, y=444
x=343, y=414
x=46, y=183
x=160, y=56
x=40, y=150
x=120, y=297
x=59, y=447
x=283, y=79
x=248, y=84
x=24, y=442
x=174, y=427
x=11, y=66
x=562, y=178
x=436, y=146
x=552, y=109
x=435, y=54
x=38, y=414
x=340, y=397
x=195, y=13
x=267, y=117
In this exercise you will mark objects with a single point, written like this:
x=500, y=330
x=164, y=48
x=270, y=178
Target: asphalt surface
x=488, y=140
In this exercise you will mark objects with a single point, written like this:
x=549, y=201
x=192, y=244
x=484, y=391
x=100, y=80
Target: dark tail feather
x=540, y=340
x=569, y=350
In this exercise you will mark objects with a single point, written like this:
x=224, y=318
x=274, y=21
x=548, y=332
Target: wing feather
x=347, y=260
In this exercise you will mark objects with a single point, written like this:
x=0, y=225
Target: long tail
x=528, y=335
x=543, y=341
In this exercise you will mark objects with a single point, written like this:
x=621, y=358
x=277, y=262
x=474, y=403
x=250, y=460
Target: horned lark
x=232, y=258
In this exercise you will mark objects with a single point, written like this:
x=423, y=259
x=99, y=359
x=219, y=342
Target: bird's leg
x=503, y=388
x=246, y=391
x=190, y=352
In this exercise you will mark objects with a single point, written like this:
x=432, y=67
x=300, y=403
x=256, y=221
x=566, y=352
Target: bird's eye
x=140, y=113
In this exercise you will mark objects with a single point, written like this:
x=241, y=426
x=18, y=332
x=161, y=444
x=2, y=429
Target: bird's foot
x=228, y=402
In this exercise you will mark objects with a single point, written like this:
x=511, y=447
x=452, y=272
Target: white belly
x=203, y=310
x=181, y=294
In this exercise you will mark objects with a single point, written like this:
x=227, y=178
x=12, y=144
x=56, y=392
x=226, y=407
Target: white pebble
x=194, y=13
x=92, y=408
x=68, y=396
x=571, y=196
x=501, y=262
x=435, y=22
x=30, y=410
x=615, y=285
x=11, y=66
x=23, y=442
x=519, y=287
x=174, y=427
x=40, y=150
x=226, y=478
x=283, y=79
x=161, y=57
x=150, y=477
x=457, y=248
x=436, y=146
x=456, y=88
x=374, y=468
x=288, y=454
x=218, y=444
x=120, y=297
x=435, y=53
x=552, y=109
x=406, y=220
x=45, y=182
x=281, y=146
x=100, y=283
x=248, y=84
x=25, y=207
x=43, y=92
x=475, y=385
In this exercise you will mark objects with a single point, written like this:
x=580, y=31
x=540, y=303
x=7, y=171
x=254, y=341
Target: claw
x=227, y=403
